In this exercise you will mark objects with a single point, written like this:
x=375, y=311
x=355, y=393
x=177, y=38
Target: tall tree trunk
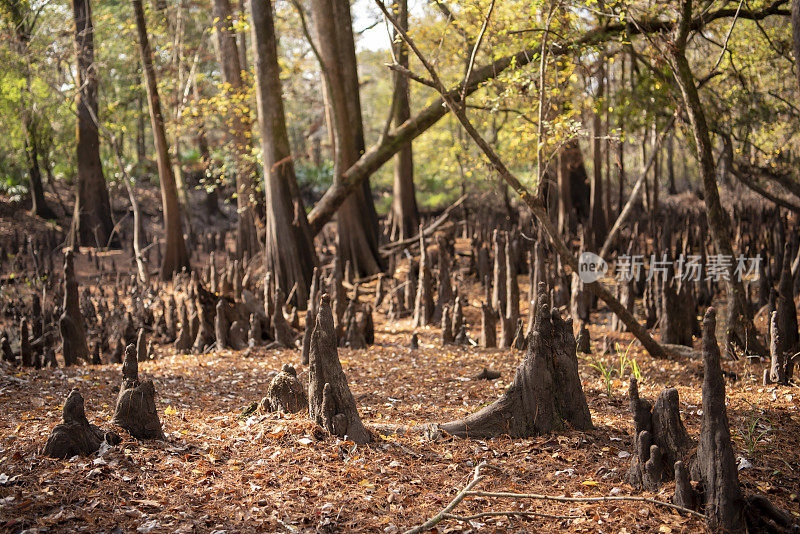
x=740, y=322
x=405, y=215
x=290, y=252
x=671, y=164
x=796, y=38
x=621, y=145
x=175, y=256
x=92, y=224
x=141, y=148
x=597, y=216
x=39, y=206
x=357, y=219
x=240, y=127
x=23, y=28
x=242, y=38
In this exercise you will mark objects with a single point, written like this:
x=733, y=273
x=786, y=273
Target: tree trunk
x=175, y=256
x=39, y=206
x=233, y=94
x=357, y=219
x=741, y=320
x=92, y=224
x=289, y=247
x=597, y=215
x=796, y=37
x=405, y=215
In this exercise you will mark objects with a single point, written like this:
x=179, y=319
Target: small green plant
x=755, y=428
x=625, y=361
x=607, y=373
x=626, y=365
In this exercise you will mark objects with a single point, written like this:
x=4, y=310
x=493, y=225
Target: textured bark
x=584, y=341
x=311, y=315
x=184, y=340
x=716, y=460
x=289, y=247
x=499, y=276
x=405, y=214
x=444, y=295
x=447, y=326
x=240, y=126
x=784, y=305
x=660, y=438
x=285, y=393
x=546, y=394
x=175, y=256
x=777, y=369
x=136, y=403
x=92, y=224
x=741, y=327
x=677, y=314
x=356, y=218
x=75, y=436
x=423, y=305
x=221, y=327
x=488, y=327
x=331, y=404
x=71, y=325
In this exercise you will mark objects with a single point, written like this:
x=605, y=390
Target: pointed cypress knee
x=330, y=402
x=136, y=403
x=716, y=461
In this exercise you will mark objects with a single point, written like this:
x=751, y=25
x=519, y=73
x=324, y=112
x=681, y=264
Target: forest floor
x=223, y=471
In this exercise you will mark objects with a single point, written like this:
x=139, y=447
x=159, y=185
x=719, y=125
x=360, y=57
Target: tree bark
x=92, y=224
x=356, y=218
x=546, y=393
x=597, y=215
x=233, y=93
x=405, y=214
x=175, y=256
x=718, y=222
x=289, y=247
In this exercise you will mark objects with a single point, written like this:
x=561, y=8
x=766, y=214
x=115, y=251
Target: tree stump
x=331, y=404
x=677, y=314
x=71, y=326
x=584, y=341
x=75, y=436
x=184, y=340
x=777, y=369
x=285, y=393
x=546, y=393
x=136, y=403
x=660, y=438
x=447, y=326
x=221, y=327
x=423, y=304
x=25, y=351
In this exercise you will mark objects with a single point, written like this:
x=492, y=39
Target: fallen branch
x=389, y=248
x=438, y=518
x=535, y=203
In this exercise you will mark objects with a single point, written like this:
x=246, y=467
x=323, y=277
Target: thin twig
x=447, y=509
x=475, y=48
x=540, y=497
x=508, y=513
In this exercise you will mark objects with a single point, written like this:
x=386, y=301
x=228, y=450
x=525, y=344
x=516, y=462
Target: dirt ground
x=220, y=471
